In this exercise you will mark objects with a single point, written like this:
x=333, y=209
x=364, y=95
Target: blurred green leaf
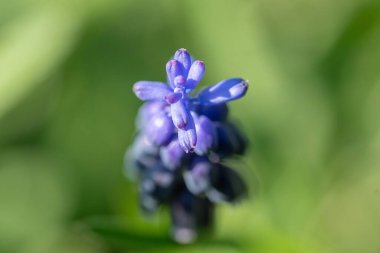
x=31, y=46
x=34, y=199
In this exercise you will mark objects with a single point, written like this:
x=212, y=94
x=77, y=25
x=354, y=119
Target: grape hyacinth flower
x=181, y=143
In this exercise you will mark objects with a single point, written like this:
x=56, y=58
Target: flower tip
x=183, y=56
x=182, y=53
x=239, y=87
x=245, y=84
x=135, y=87
x=171, y=63
x=182, y=50
x=201, y=63
x=138, y=88
x=199, y=67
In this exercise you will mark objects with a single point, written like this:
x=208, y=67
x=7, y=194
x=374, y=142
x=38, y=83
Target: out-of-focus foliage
x=311, y=114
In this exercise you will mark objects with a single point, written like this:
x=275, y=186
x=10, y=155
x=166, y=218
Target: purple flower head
x=183, y=75
x=181, y=144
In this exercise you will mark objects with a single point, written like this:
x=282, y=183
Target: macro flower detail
x=183, y=76
x=181, y=144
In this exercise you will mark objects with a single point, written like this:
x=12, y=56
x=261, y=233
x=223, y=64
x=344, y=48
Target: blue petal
x=224, y=91
x=147, y=110
x=206, y=135
x=172, y=154
x=196, y=73
x=173, y=69
x=147, y=90
x=188, y=137
x=183, y=56
x=180, y=114
x=197, y=179
x=159, y=129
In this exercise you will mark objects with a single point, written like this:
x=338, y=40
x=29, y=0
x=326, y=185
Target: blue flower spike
x=181, y=144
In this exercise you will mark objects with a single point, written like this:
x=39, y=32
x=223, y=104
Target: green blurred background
x=311, y=114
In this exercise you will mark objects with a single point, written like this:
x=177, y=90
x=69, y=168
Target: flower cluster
x=181, y=143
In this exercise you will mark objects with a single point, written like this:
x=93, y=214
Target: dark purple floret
x=190, y=214
x=218, y=112
x=181, y=144
x=231, y=140
x=141, y=156
x=160, y=183
x=226, y=185
x=197, y=178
